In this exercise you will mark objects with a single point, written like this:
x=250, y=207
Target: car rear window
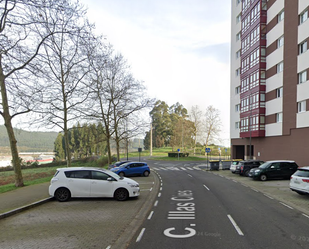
x=302, y=173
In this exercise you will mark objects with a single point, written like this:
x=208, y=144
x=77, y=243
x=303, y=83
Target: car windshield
x=264, y=165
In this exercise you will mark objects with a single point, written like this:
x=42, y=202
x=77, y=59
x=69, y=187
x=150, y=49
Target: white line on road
x=235, y=181
x=108, y=247
x=159, y=194
x=140, y=235
x=255, y=190
x=306, y=216
x=269, y=197
x=235, y=225
x=206, y=187
x=156, y=203
x=286, y=205
x=190, y=175
x=150, y=215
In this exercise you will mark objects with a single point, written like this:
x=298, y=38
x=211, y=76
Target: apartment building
x=270, y=80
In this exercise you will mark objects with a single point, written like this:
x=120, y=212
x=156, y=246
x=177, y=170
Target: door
x=274, y=170
x=100, y=186
x=79, y=183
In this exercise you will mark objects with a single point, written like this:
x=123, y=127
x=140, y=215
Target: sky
x=180, y=49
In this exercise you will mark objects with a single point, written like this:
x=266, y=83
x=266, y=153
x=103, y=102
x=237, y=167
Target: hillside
x=28, y=141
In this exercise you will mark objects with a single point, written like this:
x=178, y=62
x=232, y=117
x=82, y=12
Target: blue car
x=132, y=169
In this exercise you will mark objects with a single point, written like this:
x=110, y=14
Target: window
x=237, y=125
x=99, y=175
x=279, y=92
x=281, y=16
x=238, y=72
x=280, y=42
x=82, y=174
x=238, y=18
x=301, y=106
x=280, y=67
x=303, y=16
x=238, y=36
x=279, y=117
x=237, y=108
x=237, y=90
x=238, y=53
x=302, y=77
x=238, y=2
x=303, y=47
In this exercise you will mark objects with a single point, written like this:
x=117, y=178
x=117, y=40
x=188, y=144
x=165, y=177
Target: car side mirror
x=110, y=179
x=272, y=167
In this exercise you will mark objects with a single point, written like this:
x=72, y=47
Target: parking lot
x=79, y=223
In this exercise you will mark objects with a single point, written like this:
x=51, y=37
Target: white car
x=299, y=181
x=91, y=182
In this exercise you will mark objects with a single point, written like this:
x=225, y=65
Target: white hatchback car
x=91, y=182
x=299, y=181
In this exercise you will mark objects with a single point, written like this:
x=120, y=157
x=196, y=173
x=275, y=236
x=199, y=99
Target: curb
x=126, y=237
x=23, y=208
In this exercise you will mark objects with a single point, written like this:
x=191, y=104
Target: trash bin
x=226, y=164
x=214, y=165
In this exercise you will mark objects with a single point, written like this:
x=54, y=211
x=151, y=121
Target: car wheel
x=121, y=194
x=121, y=174
x=247, y=173
x=146, y=173
x=62, y=194
x=263, y=177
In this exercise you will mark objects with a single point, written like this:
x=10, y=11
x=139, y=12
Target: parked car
x=300, y=181
x=281, y=169
x=246, y=166
x=91, y=182
x=132, y=169
x=117, y=164
x=233, y=166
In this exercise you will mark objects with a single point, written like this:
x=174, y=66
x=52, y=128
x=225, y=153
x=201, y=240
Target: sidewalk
x=23, y=198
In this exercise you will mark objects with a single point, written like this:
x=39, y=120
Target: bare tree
x=212, y=124
x=65, y=69
x=196, y=117
x=21, y=38
x=116, y=97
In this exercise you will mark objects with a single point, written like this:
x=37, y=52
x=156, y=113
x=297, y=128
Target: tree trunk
x=10, y=131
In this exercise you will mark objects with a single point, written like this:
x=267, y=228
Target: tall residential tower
x=270, y=80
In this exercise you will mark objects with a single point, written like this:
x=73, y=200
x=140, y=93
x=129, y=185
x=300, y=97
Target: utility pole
x=150, y=139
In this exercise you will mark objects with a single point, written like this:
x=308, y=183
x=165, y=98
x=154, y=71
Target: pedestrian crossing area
x=175, y=168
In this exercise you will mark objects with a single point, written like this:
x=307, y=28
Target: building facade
x=270, y=80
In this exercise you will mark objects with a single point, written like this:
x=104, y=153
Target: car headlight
x=257, y=171
x=132, y=185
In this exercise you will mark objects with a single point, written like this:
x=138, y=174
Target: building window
x=237, y=125
x=302, y=77
x=280, y=67
x=303, y=16
x=238, y=19
x=238, y=2
x=281, y=16
x=279, y=117
x=237, y=108
x=279, y=92
x=237, y=90
x=303, y=47
x=301, y=106
x=280, y=42
x=238, y=72
x=238, y=53
x=238, y=36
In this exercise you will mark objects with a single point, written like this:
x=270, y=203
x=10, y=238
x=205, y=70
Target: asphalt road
x=199, y=209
